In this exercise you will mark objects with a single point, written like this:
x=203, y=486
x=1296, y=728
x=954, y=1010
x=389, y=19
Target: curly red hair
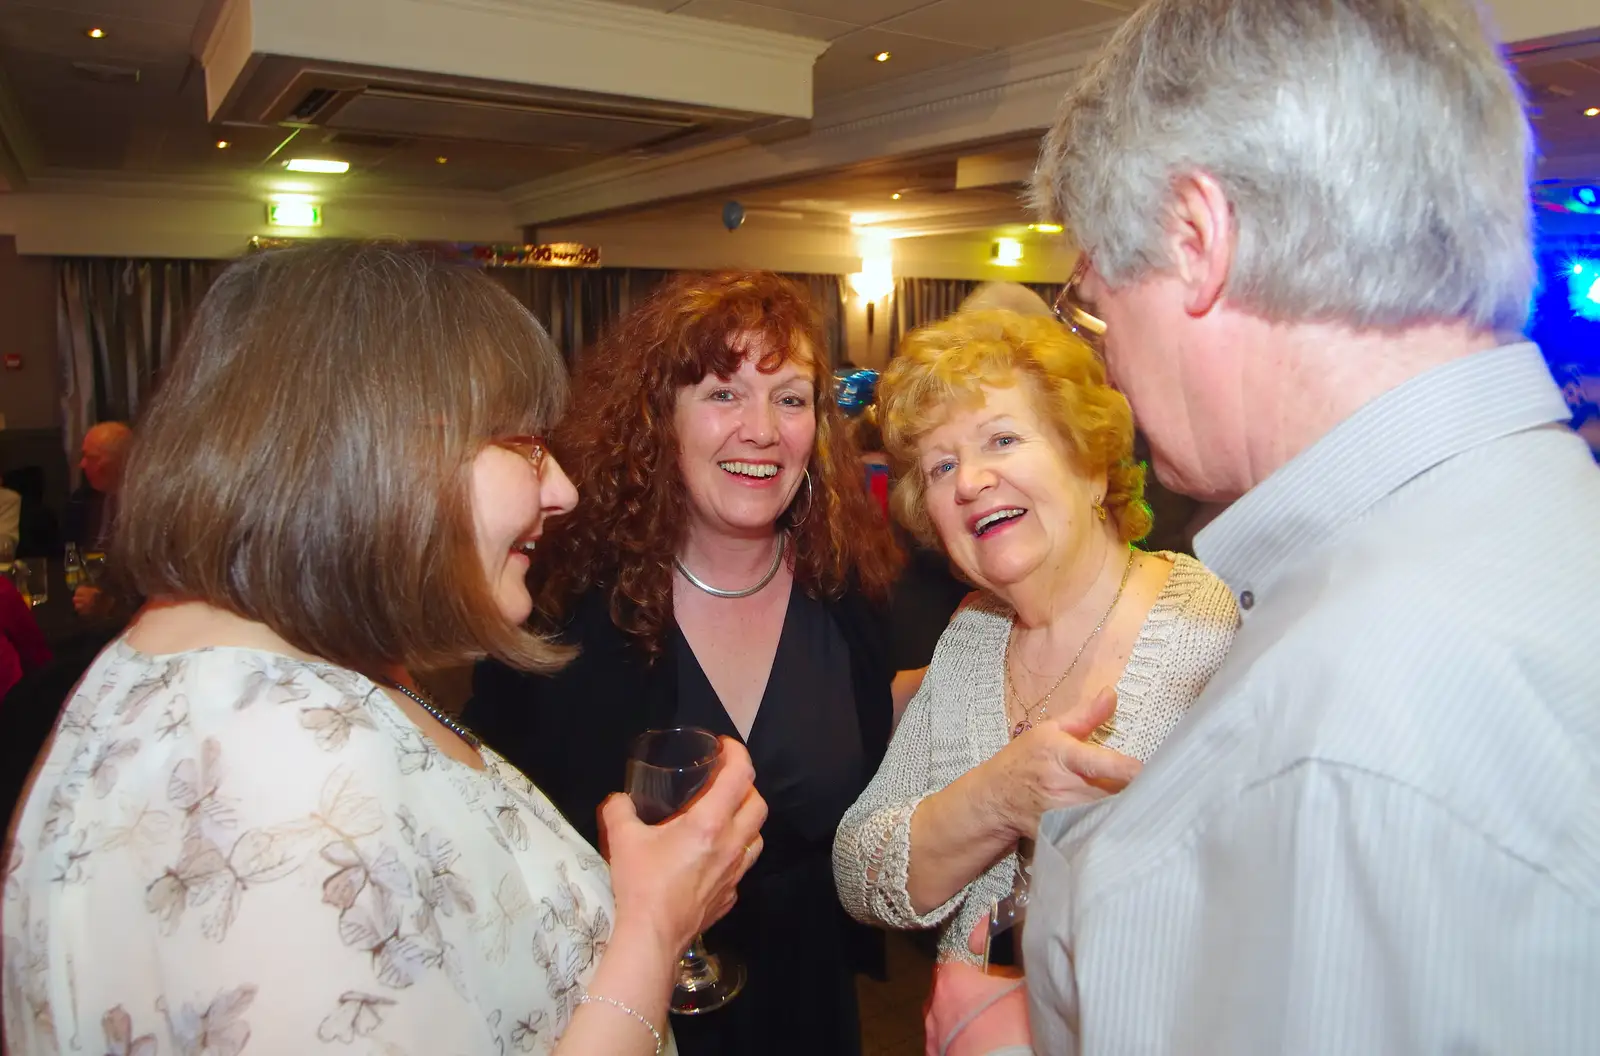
x=620, y=445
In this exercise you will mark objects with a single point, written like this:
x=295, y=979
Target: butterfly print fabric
x=232, y=852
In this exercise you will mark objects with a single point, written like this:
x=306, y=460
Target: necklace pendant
x=1021, y=728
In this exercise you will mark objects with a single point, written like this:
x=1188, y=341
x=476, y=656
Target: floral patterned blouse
x=230, y=851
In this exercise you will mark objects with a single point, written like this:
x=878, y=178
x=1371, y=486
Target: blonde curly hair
x=950, y=363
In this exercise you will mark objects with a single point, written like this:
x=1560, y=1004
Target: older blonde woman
x=1016, y=456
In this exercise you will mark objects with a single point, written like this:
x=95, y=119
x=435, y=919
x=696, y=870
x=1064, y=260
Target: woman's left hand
x=992, y=1005
x=1053, y=765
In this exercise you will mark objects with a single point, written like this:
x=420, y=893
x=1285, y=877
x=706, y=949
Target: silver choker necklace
x=696, y=581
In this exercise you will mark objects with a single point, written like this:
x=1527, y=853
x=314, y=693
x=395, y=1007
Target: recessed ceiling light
x=882, y=56
x=96, y=32
x=1048, y=229
x=1593, y=111
x=441, y=159
x=895, y=196
x=223, y=144
x=316, y=165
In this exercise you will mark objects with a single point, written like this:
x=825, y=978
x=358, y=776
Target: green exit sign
x=294, y=214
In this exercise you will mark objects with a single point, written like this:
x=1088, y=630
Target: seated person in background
x=1014, y=456
x=38, y=531
x=249, y=825
x=92, y=511
x=1582, y=391
x=869, y=442
x=22, y=644
x=10, y=523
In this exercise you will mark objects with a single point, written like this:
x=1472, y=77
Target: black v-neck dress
x=818, y=738
x=787, y=926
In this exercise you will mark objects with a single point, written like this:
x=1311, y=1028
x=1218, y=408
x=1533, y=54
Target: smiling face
x=1003, y=492
x=744, y=442
x=510, y=501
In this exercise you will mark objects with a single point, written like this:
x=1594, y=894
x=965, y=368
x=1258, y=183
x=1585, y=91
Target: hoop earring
x=811, y=501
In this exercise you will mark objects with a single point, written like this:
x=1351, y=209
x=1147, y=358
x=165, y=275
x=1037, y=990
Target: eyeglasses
x=1070, y=312
x=532, y=448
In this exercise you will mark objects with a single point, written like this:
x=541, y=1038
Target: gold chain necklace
x=1026, y=723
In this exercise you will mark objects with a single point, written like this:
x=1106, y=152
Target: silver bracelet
x=585, y=998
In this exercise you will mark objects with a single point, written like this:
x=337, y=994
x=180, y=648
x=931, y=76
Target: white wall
x=174, y=222
x=1525, y=20
x=1045, y=258
x=698, y=241
x=145, y=222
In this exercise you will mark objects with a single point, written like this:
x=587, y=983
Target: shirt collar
x=1392, y=439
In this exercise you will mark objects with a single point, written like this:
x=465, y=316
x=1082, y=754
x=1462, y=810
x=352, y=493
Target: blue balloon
x=855, y=391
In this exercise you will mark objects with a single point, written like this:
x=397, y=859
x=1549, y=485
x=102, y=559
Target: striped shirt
x=1378, y=830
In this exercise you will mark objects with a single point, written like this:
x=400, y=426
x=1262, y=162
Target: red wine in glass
x=666, y=770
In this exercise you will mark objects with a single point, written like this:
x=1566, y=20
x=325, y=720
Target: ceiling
x=1561, y=87
x=132, y=105
x=927, y=195
x=919, y=35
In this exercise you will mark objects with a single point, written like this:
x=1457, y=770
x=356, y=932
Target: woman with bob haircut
x=726, y=569
x=252, y=832
x=1015, y=456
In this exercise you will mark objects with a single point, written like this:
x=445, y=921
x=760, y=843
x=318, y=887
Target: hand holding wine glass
x=681, y=875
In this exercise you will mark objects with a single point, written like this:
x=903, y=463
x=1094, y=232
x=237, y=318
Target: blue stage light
x=1583, y=289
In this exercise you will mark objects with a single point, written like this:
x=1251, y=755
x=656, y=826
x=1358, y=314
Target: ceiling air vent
x=104, y=72
x=312, y=104
x=368, y=140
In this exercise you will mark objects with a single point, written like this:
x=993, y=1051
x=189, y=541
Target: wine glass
x=1008, y=914
x=666, y=769
x=33, y=580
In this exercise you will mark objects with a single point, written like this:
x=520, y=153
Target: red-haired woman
x=726, y=568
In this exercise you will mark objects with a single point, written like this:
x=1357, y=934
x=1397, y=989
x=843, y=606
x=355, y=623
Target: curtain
x=118, y=323
x=576, y=305
x=918, y=302
x=828, y=294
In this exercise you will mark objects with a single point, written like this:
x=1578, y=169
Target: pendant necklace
x=1026, y=723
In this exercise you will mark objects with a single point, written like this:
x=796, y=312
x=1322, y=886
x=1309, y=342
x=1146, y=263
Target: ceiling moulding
x=568, y=74
x=101, y=185
x=17, y=153
x=985, y=98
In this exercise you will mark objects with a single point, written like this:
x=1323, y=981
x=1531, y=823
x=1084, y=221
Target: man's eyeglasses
x=1070, y=312
x=532, y=448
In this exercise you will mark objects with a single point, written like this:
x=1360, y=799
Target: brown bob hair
x=620, y=445
x=307, y=459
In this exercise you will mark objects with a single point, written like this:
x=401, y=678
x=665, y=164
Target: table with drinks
x=47, y=585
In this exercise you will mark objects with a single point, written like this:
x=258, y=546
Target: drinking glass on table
x=666, y=769
x=33, y=580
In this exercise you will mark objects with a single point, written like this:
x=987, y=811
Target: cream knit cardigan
x=958, y=719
